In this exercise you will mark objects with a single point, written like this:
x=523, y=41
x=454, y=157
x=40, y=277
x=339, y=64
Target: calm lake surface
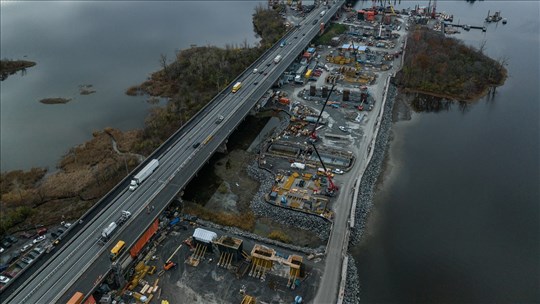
x=111, y=45
x=457, y=217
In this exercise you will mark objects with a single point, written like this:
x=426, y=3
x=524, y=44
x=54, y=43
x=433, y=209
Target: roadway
x=80, y=262
x=338, y=242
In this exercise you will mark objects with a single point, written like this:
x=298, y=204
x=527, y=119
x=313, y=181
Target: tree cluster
x=196, y=76
x=269, y=25
x=447, y=67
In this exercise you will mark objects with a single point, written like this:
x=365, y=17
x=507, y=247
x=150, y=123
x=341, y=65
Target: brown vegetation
x=245, y=221
x=85, y=174
x=279, y=235
x=445, y=67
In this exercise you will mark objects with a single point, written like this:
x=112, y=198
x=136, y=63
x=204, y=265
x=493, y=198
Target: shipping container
x=139, y=245
x=77, y=298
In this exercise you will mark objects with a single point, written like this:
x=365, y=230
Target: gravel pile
x=283, y=216
x=369, y=179
x=352, y=286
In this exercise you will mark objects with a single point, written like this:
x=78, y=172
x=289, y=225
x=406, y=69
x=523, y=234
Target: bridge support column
x=118, y=276
x=223, y=147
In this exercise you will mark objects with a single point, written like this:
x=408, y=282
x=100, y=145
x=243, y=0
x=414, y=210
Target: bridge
x=79, y=263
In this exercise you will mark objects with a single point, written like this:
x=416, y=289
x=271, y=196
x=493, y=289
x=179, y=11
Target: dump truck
x=143, y=174
x=277, y=59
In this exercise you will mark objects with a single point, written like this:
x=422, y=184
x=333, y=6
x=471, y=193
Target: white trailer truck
x=298, y=166
x=109, y=230
x=143, y=174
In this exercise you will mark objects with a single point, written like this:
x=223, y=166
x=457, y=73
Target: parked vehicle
x=26, y=247
x=54, y=235
x=65, y=224
x=33, y=254
x=12, y=239
x=143, y=174
x=14, y=256
x=2, y=249
x=27, y=259
x=337, y=171
x=4, y=279
x=61, y=231
x=39, y=239
x=6, y=244
x=39, y=249
x=42, y=231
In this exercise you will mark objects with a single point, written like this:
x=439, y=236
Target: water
x=457, y=219
x=111, y=45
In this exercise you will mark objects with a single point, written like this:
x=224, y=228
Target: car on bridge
x=220, y=119
x=196, y=145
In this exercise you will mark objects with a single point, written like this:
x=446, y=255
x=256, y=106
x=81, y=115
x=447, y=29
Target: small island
x=10, y=67
x=55, y=100
x=445, y=67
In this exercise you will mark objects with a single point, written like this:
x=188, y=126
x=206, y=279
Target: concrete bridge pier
x=223, y=147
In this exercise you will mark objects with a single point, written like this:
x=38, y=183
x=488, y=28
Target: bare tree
x=163, y=62
x=482, y=46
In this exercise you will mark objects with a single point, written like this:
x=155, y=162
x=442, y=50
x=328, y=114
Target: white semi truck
x=143, y=174
x=109, y=230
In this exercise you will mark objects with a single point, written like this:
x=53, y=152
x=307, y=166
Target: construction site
x=184, y=263
x=319, y=108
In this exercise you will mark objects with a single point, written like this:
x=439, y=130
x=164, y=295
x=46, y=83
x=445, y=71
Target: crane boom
x=332, y=188
x=314, y=131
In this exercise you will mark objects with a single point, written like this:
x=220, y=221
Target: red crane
x=313, y=135
x=332, y=188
